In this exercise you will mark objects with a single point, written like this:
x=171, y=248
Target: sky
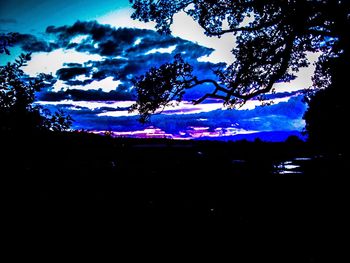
x=94, y=50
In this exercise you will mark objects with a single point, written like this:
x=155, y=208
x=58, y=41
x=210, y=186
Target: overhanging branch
x=231, y=92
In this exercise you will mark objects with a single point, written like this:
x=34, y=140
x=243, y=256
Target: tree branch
x=230, y=93
x=279, y=73
x=239, y=29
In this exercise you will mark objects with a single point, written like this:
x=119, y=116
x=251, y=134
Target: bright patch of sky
x=185, y=27
x=303, y=79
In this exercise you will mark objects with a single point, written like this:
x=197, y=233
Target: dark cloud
x=121, y=41
x=8, y=21
x=111, y=41
x=127, y=69
x=124, y=69
x=87, y=95
x=71, y=65
x=71, y=73
x=109, y=68
x=31, y=43
x=78, y=82
x=126, y=52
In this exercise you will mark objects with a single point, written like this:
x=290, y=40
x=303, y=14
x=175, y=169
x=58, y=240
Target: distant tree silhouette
x=272, y=41
x=18, y=113
x=293, y=139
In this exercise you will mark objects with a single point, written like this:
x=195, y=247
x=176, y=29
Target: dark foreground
x=281, y=202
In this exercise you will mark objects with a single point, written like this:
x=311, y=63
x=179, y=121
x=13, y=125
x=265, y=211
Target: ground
x=93, y=185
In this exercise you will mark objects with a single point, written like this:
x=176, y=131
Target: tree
x=326, y=118
x=273, y=38
x=18, y=113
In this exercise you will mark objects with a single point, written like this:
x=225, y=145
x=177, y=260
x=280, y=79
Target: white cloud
x=186, y=107
x=49, y=63
x=161, y=50
x=108, y=84
x=121, y=18
x=137, y=41
x=81, y=77
x=122, y=113
x=78, y=39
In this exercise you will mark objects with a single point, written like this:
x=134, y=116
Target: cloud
x=122, y=18
x=286, y=94
x=94, y=65
x=88, y=55
x=93, y=38
x=106, y=85
x=127, y=53
x=114, y=116
x=285, y=116
x=183, y=26
x=8, y=21
x=31, y=43
x=108, y=41
x=51, y=62
x=72, y=72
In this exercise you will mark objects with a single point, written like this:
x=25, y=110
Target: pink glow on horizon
x=188, y=134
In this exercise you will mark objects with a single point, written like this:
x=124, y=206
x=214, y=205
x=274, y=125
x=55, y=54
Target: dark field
x=289, y=197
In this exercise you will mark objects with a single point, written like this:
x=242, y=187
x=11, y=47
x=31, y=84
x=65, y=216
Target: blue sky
x=93, y=50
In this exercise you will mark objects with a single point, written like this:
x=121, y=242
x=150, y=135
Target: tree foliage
x=273, y=38
x=162, y=86
x=18, y=112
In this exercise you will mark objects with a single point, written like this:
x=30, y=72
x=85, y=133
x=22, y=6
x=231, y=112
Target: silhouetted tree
x=18, y=113
x=273, y=38
x=326, y=118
